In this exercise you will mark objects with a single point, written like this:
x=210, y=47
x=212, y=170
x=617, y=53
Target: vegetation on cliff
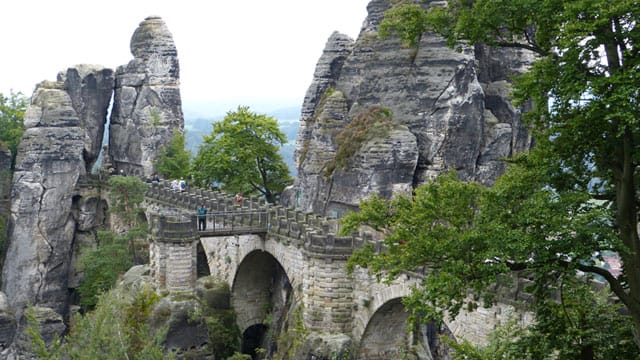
x=561, y=207
x=12, y=109
x=116, y=329
x=375, y=121
x=174, y=161
x=115, y=252
x=241, y=155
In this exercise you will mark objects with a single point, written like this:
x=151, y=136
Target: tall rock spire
x=147, y=106
x=63, y=128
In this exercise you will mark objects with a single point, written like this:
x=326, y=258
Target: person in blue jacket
x=202, y=218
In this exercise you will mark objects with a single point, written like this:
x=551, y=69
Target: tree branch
x=615, y=285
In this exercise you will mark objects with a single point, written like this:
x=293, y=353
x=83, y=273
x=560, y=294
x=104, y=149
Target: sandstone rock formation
x=449, y=111
x=90, y=88
x=5, y=191
x=147, y=105
x=51, y=216
x=55, y=151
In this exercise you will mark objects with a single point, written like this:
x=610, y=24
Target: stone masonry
x=173, y=252
x=314, y=259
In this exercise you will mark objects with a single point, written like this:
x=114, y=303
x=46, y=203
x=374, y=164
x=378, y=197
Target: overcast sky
x=231, y=52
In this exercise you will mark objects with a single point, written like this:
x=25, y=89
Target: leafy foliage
x=126, y=195
x=241, y=155
x=115, y=253
x=39, y=347
x=408, y=22
x=291, y=337
x=220, y=319
x=102, y=266
x=586, y=325
x=583, y=85
x=470, y=237
x=174, y=161
x=12, y=109
x=116, y=329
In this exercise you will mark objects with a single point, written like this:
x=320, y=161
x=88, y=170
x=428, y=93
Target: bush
x=102, y=266
x=116, y=329
x=376, y=121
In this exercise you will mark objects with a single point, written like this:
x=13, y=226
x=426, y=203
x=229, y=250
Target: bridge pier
x=173, y=252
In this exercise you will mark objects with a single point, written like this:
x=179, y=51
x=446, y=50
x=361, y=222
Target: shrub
x=374, y=122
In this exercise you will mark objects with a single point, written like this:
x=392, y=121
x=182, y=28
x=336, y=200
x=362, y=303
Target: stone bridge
x=272, y=256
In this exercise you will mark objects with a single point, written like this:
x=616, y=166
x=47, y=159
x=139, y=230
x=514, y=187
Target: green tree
x=174, y=161
x=241, y=155
x=114, y=253
x=116, y=329
x=126, y=196
x=12, y=109
x=102, y=266
x=472, y=238
x=583, y=84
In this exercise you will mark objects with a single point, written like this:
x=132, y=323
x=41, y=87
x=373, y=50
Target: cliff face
x=5, y=188
x=147, y=105
x=51, y=218
x=56, y=149
x=448, y=110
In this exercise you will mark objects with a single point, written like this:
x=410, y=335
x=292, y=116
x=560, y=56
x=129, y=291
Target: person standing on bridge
x=202, y=218
x=239, y=199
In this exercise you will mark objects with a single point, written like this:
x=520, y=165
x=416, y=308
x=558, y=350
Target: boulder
x=47, y=322
x=185, y=328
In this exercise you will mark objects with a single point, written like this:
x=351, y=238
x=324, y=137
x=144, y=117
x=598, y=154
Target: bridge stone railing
x=316, y=233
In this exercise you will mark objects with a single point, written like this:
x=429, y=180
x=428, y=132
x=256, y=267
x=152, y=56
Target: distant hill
x=197, y=127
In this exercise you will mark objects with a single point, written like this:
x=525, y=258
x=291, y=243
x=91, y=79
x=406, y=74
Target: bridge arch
x=381, y=322
x=262, y=289
x=260, y=286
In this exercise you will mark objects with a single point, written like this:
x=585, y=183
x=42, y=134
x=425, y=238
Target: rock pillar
x=147, y=108
x=53, y=154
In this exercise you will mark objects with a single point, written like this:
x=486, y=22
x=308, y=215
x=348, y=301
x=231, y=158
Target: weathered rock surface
x=49, y=162
x=450, y=109
x=50, y=324
x=63, y=131
x=5, y=191
x=147, y=104
x=90, y=88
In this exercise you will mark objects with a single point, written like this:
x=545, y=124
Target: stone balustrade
x=316, y=233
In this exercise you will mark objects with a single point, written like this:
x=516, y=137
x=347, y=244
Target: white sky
x=231, y=52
